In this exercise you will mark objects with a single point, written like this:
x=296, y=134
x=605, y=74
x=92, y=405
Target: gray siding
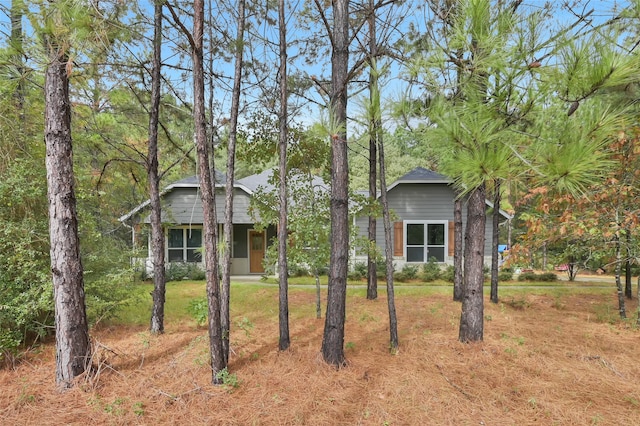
x=419, y=201
x=184, y=206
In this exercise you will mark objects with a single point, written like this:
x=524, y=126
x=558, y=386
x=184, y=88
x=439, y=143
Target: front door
x=256, y=251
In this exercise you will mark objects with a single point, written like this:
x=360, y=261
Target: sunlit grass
x=258, y=300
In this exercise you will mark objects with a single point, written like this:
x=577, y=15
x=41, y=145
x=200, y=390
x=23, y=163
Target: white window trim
x=185, y=230
x=444, y=223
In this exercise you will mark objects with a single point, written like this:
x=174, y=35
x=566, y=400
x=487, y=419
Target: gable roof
x=254, y=181
x=248, y=184
x=424, y=176
x=420, y=174
x=194, y=181
x=417, y=175
x=188, y=182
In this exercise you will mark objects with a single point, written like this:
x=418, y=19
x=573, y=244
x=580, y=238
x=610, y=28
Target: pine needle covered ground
x=557, y=358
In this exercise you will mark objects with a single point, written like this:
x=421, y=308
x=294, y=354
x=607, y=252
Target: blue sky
x=394, y=85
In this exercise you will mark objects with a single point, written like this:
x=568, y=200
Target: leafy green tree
x=500, y=101
x=27, y=313
x=26, y=299
x=308, y=245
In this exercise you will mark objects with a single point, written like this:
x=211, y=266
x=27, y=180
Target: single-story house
x=182, y=217
x=422, y=202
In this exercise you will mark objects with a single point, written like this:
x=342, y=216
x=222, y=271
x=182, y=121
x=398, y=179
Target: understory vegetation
x=575, y=364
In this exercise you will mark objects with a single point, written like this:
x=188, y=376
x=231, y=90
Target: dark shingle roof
x=221, y=178
x=420, y=174
x=254, y=181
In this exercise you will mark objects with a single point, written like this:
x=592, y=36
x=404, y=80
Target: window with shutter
x=398, y=239
x=452, y=238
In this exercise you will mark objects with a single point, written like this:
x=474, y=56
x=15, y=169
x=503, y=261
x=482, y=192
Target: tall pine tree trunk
x=457, y=250
x=472, y=317
x=72, y=334
x=207, y=195
x=628, y=290
x=283, y=237
x=333, y=336
x=157, y=232
x=495, y=241
x=386, y=218
x=374, y=124
x=231, y=159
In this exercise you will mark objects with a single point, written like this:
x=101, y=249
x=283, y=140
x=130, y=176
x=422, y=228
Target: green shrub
x=528, y=276
x=199, y=310
x=297, y=270
x=400, y=277
x=178, y=271
x=106, y=293
x=548, y=276
x=359, y=271
x=408, y=272
x=532, y=276
x=431, y=270
x=382, y=268
x=411, y=271
x=505, y=275
x=448, y=273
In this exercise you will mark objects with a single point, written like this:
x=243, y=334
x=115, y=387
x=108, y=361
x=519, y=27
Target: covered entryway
x=257, y=244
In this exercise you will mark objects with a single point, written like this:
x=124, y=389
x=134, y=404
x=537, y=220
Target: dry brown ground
x=553, y=362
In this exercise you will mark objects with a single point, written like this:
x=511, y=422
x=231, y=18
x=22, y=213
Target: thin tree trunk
x=628, y=290
x=621, y=304
x=372, y=273
x=472, y=317
x=638, y=298
x=283, y=237
x=386, y=218
x=318, y=296
x=333, y=336
x=231, y=159
x=495, y=241
x=457, y=251
x=157, y=233
x=207, y=194
x=72, y=334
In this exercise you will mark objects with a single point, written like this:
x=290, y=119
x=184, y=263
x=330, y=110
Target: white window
x=183, y=245
x=424, y=240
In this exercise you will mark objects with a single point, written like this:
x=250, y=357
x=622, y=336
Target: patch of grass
x=25, y=397
x=245, y=325
x=366, y=317
x=520, y=303
x=179, y=292
x=632, y=400
x=606, y=314
x=557, y=302
x=229, y=380
x=138, y=409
